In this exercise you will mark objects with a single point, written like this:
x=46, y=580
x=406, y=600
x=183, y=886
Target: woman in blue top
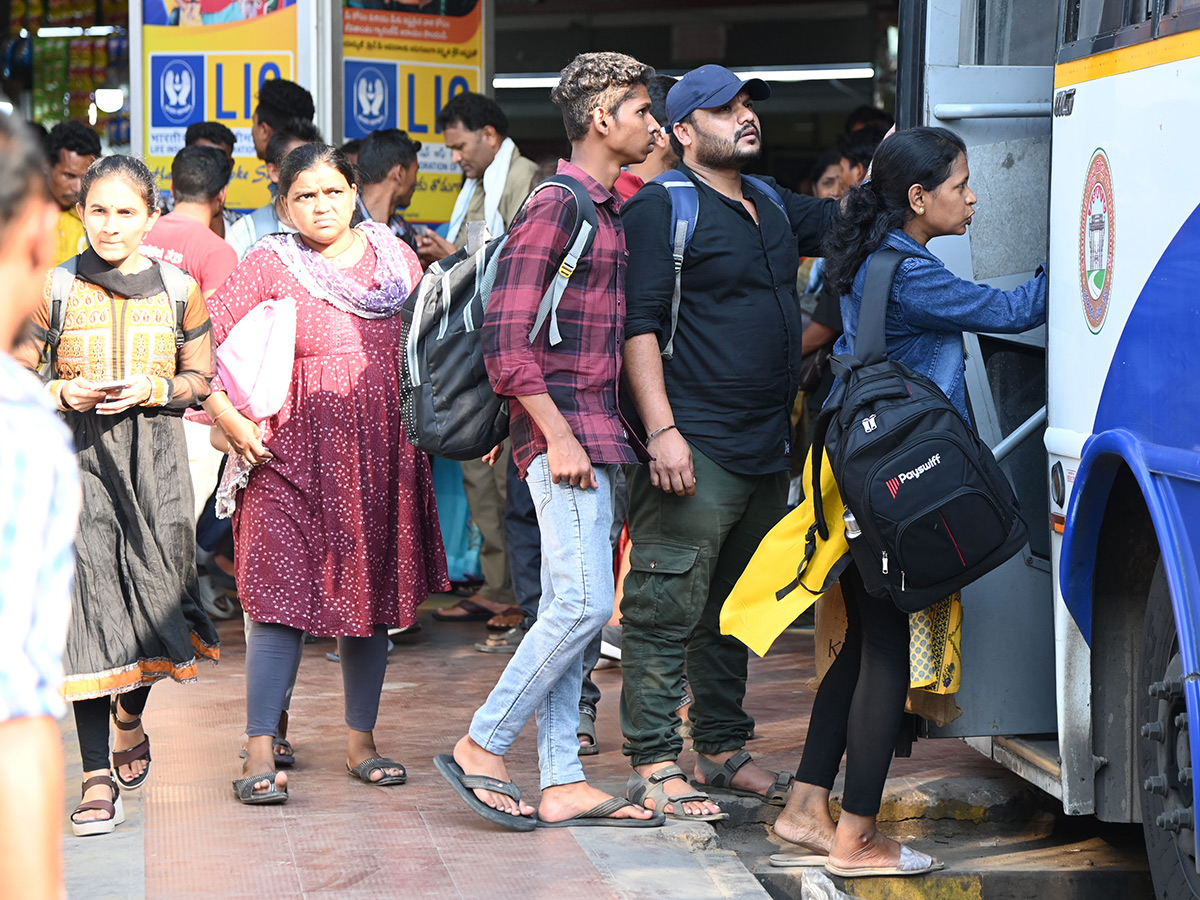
x=918, y=191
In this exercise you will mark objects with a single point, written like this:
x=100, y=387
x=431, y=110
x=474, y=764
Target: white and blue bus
x=1082, y=655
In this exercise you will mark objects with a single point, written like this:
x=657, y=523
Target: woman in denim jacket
x=919, y=191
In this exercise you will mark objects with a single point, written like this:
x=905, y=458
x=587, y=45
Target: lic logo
x=177, y=91
x=370, y=99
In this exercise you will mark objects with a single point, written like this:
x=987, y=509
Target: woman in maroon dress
x=335, y=524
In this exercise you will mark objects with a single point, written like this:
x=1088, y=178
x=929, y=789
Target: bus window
x=1016, y=375
x=1008, y=32
x=1089, y=18
x=1179, y=6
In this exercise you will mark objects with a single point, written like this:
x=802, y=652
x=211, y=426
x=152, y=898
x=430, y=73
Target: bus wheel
x=1164, y=752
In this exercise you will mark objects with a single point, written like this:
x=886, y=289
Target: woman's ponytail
x=857, y=230
x=917, y=156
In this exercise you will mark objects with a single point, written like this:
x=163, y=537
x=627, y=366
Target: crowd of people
x=666, y=407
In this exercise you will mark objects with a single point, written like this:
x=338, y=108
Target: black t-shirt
x=731, y=382
x=828, y=311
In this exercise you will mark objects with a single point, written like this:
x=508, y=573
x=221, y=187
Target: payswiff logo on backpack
x=912, y=474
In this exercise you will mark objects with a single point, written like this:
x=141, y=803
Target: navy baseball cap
x=709, y=86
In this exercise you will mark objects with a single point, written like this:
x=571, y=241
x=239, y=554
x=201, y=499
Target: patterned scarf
x=397, y=270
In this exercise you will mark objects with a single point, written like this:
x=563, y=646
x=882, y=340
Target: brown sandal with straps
x=133, y=754
x=115, y=809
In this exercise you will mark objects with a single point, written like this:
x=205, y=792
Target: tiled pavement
x=186, y=836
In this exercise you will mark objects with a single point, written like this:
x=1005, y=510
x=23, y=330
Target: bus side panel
x=1153, y=513
x=1121, y=131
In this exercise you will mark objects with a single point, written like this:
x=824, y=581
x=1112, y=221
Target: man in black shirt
x=717, y=417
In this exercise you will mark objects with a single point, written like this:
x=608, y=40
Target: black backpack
x=447, y=405
x=934, y=509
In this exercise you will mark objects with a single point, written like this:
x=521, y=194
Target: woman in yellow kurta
x=121, y=380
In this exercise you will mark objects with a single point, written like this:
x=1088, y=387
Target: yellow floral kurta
x=107, y=337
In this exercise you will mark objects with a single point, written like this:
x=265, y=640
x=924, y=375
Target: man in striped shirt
x=39, y=506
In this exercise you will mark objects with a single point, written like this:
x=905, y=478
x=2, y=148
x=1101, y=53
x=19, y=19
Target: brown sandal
x=510, y=617
x=133, y=754
x=115, y=809
x=468, y=611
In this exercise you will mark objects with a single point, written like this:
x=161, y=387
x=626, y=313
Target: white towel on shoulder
x=494, y=178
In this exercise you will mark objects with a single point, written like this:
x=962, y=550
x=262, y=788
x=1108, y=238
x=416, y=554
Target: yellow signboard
x=399, y=70
x=212, y=73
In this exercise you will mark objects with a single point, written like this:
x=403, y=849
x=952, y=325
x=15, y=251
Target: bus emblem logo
x=1097, y=235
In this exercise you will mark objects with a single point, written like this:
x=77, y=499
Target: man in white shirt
x=497, y=179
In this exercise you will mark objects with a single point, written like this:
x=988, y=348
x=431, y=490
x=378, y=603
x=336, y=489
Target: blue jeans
x=545, y=675
x=523, y=547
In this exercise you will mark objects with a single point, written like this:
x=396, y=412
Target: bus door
x=984, y=69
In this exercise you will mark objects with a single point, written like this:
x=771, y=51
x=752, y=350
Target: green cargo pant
x=687, y=554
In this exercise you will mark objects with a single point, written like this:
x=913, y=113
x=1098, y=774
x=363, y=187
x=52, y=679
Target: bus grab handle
x=949, y=112
x=1024, y=430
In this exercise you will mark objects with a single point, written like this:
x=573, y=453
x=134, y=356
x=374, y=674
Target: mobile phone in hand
x=109, y=387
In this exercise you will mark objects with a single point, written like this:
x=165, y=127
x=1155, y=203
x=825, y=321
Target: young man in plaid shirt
x=568, y=440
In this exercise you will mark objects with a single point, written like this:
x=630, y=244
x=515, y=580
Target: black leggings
x=860, y=704
x=272, y=658
x=91, y=724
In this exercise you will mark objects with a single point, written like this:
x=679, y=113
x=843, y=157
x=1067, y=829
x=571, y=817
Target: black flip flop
x=364, y=769
x=244, y=789
x=465, y=785
x=284, y=760
x=600, y=816
x=475, y=612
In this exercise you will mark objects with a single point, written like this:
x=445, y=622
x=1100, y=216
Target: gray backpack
x=447, y=403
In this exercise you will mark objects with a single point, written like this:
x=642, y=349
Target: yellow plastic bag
x=791, y=568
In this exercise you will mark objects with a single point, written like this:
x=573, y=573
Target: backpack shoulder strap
x=579, y=243
x=772, y=194
x=176, y=282
x=870, y=347
x=60, y=289
x=685, y=211
x=870, y=344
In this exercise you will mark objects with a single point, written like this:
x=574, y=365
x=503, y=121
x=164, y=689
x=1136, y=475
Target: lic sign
x=370, y=97
x=177, y=90
x=207, y=87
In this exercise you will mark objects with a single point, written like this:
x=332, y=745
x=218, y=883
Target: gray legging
x=273, y=656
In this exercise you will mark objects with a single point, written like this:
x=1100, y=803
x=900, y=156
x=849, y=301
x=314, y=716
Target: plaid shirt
x=39, y=509
x=581, y=373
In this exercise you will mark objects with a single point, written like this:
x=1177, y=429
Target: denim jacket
x=929, y=310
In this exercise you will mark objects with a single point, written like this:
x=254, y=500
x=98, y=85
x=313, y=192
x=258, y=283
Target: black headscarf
x=90, y=267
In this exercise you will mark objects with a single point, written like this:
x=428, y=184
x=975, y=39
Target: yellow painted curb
x=910, y=887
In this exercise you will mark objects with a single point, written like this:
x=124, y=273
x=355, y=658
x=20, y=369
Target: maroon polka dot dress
x=339, y=532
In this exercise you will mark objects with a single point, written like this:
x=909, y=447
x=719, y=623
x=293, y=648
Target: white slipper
x=794, y=860
x=912, y=862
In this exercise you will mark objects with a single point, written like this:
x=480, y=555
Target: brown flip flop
x=470, y=612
